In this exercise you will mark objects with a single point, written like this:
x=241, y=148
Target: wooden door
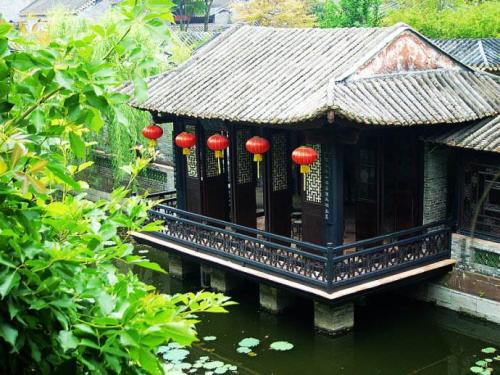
x=367, y=207
x=278, y=190
x=193, y=172
x=214, y=183
x=243, y=207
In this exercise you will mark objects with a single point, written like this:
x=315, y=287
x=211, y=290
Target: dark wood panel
x=313, y=223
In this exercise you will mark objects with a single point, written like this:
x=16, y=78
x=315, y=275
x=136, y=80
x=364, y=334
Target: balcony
x=325, y=268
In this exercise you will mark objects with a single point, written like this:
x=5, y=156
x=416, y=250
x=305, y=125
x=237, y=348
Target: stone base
x=333, y=319
x=223, y=282
x=457, y=300
x=180, y=268
x=274, y=300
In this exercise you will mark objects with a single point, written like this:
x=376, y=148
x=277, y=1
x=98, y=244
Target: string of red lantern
x=304, y=156
x=218, y=143
x=185, y=140
x=257, y=146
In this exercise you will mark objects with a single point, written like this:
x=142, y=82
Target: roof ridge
x=481, y=51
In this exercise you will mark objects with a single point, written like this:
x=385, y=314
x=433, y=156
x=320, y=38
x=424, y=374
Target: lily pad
x=489, y=350
x=220, y=370
x=176, y=355
x=249, y=342
x=481, y=363
x=281, y=346
x=243, y=350
x=476, y=370
x=213, y=365
x=209, y=338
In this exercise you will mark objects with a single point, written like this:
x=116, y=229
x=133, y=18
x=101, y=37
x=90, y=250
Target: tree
x=279, y=13
x=188, y=8
x=65, y=305
x=449, y=19
x=349, y=13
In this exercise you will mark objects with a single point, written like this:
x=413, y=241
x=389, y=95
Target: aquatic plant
x=484, y=366
x=281, y=346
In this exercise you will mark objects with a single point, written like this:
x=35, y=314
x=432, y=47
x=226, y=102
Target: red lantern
x=304, y=156
x=152, y=132
x=186, y=141
x=218, y=143
x=257, y=146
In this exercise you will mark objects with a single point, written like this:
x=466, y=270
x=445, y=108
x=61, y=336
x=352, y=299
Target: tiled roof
x=42, y=7
x=483, y=54
x=483, y=135
x=278, y=75
x=428, y=97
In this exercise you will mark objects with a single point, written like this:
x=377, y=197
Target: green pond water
x=392, y=335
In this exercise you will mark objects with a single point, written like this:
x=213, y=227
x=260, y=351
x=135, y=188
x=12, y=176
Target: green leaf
x=281, y=346
x=60, y=173
x=68, y=340
x=140, y=89
x=10, y=280
x=8, y=333
x=77, y=145
x=149, y=265
x=209, y=338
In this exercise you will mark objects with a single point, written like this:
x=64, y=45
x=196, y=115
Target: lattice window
x=314, y=178
x=192, y=158
x=481, y=190
x=487, y=258
x=211, y=165
x=279, y=162
x=243, y=157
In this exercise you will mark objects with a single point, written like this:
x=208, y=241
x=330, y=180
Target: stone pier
x=333, y=319
x=223, y=282
x=180, y=268
x=274, y=300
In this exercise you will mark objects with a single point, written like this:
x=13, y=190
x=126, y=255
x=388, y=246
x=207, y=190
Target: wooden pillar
x=334, y=194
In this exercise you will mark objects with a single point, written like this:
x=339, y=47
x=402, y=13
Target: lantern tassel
x=219, y=155
x=305, y=169
x=185, y=151
x=257, y=158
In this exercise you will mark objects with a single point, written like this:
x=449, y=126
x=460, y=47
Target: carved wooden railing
x=324, y=266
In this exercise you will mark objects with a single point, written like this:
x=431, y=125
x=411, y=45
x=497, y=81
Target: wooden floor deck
x=363, y=287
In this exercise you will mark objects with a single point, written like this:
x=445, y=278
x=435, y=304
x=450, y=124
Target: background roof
x=483, y=54
x=42, y=7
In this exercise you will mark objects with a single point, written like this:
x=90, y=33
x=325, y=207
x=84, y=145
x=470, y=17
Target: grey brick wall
x=435, y=199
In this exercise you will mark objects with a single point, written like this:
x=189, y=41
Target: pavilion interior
x=380, y=185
